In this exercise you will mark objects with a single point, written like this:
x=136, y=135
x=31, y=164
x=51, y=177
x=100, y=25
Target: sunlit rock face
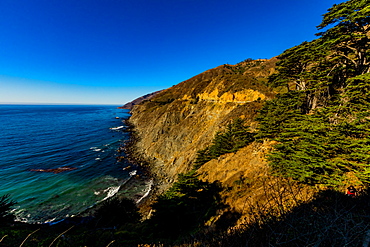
x=179, y=121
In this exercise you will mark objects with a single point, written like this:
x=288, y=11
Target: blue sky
x=113, y=51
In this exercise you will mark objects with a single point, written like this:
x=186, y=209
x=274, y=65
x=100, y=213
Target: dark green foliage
x=6, y=205
x=354, y=122
x=117, y=212
x=165, y=101
x=349, y=39
x=276, y=114
x=235, y=136
x=296, y=64
x=320, y=147
x=184, y=208
x=321, y=124
x=308, y=151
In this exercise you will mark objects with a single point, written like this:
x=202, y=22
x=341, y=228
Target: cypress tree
x=321, y=123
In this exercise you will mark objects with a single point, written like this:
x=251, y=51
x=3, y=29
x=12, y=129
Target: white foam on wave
x=50, y=220
x=96, y=149
x=148, y=189
x=117, y=128
x=133, y=173
x=19, y=215
x=111, y=191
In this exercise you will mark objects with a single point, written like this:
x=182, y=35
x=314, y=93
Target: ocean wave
x=117, y=128
x=50, y=221
x=20, y=215
x=111, y=191
x=148, y=189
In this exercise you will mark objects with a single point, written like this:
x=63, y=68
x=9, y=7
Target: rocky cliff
x=177, y=122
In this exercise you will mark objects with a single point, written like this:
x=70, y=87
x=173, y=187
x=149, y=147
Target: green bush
x=235, y=136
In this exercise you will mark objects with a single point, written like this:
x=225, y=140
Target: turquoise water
x=49, y=137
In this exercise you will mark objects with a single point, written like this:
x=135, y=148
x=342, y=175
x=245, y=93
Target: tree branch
x=348, y=58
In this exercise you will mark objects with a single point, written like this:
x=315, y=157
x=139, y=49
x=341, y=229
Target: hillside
x=178, y=122
x=172, y=126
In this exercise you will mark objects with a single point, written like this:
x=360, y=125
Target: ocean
x=58, y=160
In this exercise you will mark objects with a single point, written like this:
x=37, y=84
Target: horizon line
x=43, y=103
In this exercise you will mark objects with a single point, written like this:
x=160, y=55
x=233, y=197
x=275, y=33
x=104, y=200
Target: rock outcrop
x=55, y=170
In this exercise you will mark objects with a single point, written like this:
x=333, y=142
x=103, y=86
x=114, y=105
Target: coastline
x=145, y=173
x=136, y=159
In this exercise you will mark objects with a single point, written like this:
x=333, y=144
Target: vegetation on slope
x=236, y=136
x=321, y=123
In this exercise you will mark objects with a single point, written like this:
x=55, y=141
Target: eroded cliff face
x=175, y=124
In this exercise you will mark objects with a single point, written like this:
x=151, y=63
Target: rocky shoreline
x=141, y=187
x=145, y=174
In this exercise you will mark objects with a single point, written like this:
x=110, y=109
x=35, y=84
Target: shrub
x=235, y=136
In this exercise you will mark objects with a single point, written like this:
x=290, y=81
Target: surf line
x=112, y=191
x=149, y=186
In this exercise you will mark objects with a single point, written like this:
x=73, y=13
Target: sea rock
x=55, y=170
